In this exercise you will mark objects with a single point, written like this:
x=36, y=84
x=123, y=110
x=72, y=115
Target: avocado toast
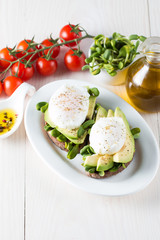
x=101, y=161
x=68, y=117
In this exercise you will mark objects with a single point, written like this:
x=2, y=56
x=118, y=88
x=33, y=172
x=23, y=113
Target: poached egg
x=68, y=106
x=108, y=135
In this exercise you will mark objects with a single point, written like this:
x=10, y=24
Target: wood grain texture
x=53, y=208
x=12, y=186
x=155, y=31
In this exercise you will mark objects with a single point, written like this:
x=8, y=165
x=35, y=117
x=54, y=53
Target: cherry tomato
x=73, y=62
x=46, y=67
x=10, y=84
x=1, y=87
x=55, y=51
x=4, y=53
x=1, y=69
x=67, y=35
x=23, y=72
x=23, y=45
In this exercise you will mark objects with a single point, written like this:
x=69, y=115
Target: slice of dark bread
x=107, y=173
x=59, y=144
x=96, y=175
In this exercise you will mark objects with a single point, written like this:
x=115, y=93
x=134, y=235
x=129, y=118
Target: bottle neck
x=153, y=58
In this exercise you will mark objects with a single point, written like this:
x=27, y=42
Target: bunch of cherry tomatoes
x=44, y=65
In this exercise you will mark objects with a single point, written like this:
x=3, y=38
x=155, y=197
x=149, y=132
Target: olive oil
x=7, y=120
x=143, y=84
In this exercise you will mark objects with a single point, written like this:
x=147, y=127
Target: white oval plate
x=134, y=178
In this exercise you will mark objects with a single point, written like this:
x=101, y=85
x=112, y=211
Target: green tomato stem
x=3, y=73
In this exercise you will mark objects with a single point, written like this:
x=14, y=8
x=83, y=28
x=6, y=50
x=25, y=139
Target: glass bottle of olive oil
x=143, y=77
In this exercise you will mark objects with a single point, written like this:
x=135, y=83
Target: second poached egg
x=108, y=135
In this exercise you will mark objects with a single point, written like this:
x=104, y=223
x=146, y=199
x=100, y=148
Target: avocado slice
x=101, y=112
x=47, y=119
x=91, y=161
x=110, y=113
x=78, y=140
x=102, y=163
x=125, y=155
x=92, y=103
x=70, y=133
x=105, y=162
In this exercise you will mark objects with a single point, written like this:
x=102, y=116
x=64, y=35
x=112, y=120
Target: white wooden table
x=36, y=204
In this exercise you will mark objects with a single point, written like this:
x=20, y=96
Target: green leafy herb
x=87, y=168
x=69, y=145
x=112, y=54
x=73, y=152
x=89, y=130
x=44, y=108
x=123, y=165
x=40, y=105
x=101, y=173
x=136, y=132
x=87, y=151
x=93, y=91
x=85, y=67
x=80, y=132
x=95, y=72
x=97, y=106
x=88, y=124
x=55, y=132
x=92, y=170
x=61, y=138
x=47, y=127
x=115, y=167
x=133, y=37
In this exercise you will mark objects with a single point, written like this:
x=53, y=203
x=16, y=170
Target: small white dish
x=134, y=178
x=16, y=103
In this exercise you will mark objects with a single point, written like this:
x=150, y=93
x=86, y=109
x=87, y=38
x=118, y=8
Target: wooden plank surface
x=12, y=163
x=37, y=204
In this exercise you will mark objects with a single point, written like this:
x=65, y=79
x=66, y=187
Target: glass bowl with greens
x=112, y=55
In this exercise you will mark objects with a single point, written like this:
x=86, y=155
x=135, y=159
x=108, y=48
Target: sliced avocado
x=91, y=160
x=70, y=134
x=47, y=119
x=101, y=112
x=126, y=153
x=92, y=103
x=78, y=140
x=110, y=113
x=105, y=162
x=75, y=141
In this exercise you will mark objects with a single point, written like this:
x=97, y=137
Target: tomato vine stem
x=33, y=45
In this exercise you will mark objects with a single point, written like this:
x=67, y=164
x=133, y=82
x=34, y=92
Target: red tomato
x=4, y=53
x=1, y=69
x=23, y=45
x=1, y=87
x=73, y=62
x=55, y=51
x=23, y=72
x=10, y=84
x=67, y=35
x=46, y=67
